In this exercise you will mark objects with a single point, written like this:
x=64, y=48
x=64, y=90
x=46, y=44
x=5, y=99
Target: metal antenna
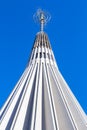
x=42, y=18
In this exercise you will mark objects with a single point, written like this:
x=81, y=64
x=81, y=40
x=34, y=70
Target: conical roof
x=42, y=100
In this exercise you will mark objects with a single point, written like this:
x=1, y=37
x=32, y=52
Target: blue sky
x=67, y=32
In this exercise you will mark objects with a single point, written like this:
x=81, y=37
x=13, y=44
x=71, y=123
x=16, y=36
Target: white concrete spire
x=42, y=100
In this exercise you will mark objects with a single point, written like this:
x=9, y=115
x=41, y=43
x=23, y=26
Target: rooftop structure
x=42, y=100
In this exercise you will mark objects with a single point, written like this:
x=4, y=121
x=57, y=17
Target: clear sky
x=67, y=32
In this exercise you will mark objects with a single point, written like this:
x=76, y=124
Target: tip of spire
x=41, y=17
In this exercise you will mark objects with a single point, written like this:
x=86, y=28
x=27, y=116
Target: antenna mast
x=42, y=18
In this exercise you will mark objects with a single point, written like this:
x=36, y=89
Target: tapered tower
x=42, y=100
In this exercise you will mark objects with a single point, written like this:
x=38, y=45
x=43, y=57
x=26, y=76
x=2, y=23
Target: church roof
x=42, y=100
